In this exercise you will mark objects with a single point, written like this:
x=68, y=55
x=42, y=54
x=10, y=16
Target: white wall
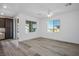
x=21, y=28
x=69, y=30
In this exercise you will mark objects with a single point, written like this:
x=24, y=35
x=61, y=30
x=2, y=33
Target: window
x=54, y=25
x=30, y=26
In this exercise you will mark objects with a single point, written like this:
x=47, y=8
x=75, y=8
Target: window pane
x=30, y=26
x=50, y=25
x=54, y=25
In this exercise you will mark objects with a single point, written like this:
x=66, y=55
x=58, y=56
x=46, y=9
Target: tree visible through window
x=30, y=26
x=54, y=25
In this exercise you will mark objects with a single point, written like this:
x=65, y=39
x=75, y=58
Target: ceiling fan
x=68, y=4
x=46, y=14
x=49, y=13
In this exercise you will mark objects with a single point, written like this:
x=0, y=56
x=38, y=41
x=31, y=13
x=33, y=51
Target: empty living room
x=39, y=29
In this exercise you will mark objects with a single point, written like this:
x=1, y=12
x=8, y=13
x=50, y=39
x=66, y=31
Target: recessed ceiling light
x=2, y=13
x=4, y=6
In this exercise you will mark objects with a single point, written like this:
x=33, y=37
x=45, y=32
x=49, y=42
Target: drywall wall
x=69, y=30
x=22, y=34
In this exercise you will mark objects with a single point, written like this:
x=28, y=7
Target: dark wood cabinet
x=1, y=23
x=9, y=28
x=8, y=25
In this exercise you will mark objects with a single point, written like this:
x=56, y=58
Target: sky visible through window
x=53, y=25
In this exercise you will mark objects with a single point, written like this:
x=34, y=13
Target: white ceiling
x=36, y=9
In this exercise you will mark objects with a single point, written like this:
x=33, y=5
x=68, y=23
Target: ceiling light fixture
x=4, y=6
x=49, y=14
x=2, y=13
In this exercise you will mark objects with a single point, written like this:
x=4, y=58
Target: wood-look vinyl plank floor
x=39, y=47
